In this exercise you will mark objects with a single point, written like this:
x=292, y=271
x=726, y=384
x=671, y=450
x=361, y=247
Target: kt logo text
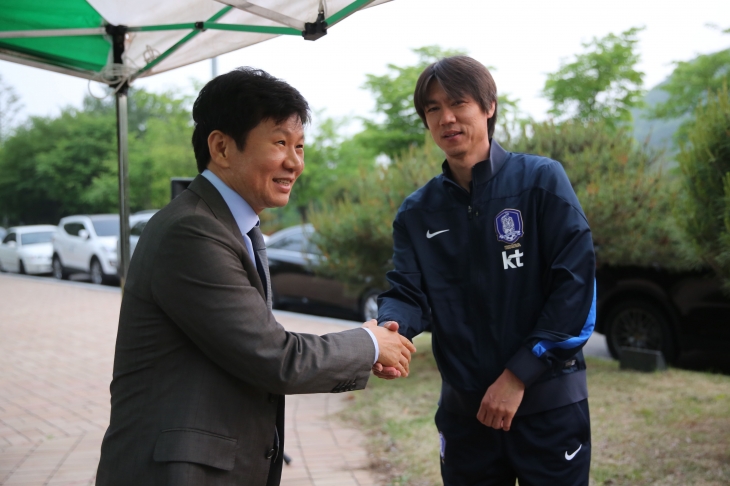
x=512, y=261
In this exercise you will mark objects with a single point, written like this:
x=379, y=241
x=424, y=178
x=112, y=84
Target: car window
x=138, y=228
x=106, y=227
x=294, y=242
x=73, y=228
x=10, y=237
x=36, y=237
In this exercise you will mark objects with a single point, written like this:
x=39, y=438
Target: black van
x=655, y=309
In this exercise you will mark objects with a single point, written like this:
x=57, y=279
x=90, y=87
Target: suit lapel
x=210, y=195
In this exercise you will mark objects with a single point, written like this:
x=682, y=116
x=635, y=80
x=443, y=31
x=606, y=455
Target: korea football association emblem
x=508, y=225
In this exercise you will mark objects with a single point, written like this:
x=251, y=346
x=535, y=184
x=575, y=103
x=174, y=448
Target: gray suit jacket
x=201, y=364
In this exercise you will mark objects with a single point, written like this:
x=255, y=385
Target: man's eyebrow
x=284, y=131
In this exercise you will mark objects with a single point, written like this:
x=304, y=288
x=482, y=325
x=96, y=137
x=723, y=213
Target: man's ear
x=490, y=112
x=219, y=148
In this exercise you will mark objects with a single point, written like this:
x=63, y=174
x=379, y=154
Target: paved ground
x=56, y=352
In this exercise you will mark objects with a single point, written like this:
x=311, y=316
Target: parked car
x=137, y=223
x=27, y=249
x=660, y=310
x=293, y=283
x=88, y=244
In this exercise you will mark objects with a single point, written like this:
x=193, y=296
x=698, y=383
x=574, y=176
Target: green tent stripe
x=47, y=14
x=179, y=44
x=165, y=54
x=261, y=29
x=154, y=28
x=74, y=52
x=86, y=56
x=334, y=18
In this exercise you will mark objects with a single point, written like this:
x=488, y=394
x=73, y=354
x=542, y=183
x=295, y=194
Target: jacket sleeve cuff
x=526, y=366
x=375, y=343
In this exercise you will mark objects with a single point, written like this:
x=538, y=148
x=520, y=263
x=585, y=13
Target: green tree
x=704, y=209
x=160, y=128
x=10, y=105
x=331, y=160
x=400, y=127
x=355, y=231
x=688, y=84
x=627, y=199
x=601, y=83
x=57, y=166
x=46, y=166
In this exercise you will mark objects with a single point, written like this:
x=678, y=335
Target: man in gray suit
x=201, y=365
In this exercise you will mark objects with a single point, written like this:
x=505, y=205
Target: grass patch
x=670, y=428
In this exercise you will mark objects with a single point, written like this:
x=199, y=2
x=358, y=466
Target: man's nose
x=294, y=161
x=447, y=117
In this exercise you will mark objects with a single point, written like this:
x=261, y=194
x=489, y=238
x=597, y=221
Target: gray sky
x=523, y=40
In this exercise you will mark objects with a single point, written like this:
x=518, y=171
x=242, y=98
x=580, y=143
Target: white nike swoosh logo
x=430, y=235
x=571, y=456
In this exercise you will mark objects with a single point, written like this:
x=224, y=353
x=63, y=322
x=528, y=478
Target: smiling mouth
x=450, y=134
x=284, y=182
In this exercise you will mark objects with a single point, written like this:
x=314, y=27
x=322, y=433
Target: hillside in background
x=658, y=133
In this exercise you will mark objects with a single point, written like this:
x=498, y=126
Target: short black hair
x=459, y=75
x=236, y=102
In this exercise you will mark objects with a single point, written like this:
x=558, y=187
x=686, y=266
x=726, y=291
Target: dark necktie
x=262, y=262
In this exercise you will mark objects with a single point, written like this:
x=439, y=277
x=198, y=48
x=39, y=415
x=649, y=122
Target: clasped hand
x=395, y=350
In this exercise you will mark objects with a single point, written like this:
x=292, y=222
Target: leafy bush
x=624, y=193
x=355, y=231
x=704, y=209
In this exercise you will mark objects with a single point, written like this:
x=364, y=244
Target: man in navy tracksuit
x=495, y=257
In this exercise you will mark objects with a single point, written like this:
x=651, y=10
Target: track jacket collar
x=486, y=169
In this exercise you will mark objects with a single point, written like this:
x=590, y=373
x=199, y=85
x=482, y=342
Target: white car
x=87, y=244
x=27, y=249
x=137, y=222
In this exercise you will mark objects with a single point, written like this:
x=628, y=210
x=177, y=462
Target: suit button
x=270, y=454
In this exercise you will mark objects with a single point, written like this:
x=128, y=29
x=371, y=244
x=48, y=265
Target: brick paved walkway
x=56, y=354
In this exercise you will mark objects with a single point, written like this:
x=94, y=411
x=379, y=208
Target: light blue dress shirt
x=246, y=218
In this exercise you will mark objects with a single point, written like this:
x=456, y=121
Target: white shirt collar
x=245, y=216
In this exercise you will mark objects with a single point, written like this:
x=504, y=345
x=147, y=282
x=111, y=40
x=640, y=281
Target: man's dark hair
x=458, y=76
x=236, y=102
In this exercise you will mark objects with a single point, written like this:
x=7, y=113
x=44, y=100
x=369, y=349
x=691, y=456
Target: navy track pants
x=546, y=448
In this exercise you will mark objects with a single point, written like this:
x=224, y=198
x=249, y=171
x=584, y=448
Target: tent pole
x=122, y=142
x=118, y=33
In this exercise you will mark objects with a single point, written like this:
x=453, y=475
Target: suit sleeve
x=406, y=302
x=200, y=282
x=569, y=313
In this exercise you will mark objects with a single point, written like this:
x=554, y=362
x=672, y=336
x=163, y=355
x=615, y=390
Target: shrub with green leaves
x=704, y=209
x=624, y=193
x=355, y=231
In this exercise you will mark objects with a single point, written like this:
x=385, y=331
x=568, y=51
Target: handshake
x=395, y=350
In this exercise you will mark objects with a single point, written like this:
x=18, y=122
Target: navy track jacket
x=504, y=278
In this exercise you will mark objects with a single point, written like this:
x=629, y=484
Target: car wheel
x=58, y=271
x=639, y=324
x=369, y=305
x=97, y=273
x=21, y=267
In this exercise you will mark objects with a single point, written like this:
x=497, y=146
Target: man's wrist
x=375, y=343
